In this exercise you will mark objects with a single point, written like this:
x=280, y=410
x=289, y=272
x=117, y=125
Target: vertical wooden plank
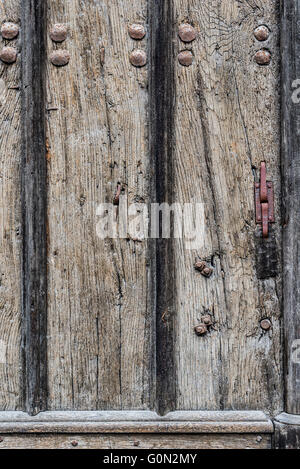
x=99, y=318
x=227, y=122
x=10, y=220
x=290, y=50
x=33, y=186
x=162, y=96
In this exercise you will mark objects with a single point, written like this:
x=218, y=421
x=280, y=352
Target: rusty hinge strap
x=264, y=201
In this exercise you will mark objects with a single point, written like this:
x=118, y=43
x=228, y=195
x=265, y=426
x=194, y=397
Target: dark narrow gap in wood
x=162, y=96
x=290, y=155
x=34, y=213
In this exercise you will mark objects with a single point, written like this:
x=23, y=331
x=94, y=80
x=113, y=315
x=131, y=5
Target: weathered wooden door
x=142, y=102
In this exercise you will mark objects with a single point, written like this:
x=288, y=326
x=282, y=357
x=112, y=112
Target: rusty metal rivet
x=60, y=57
x=138, y=58
x=136, y=443
x=116, y=200
x=200, y=265
x=203, y=268
x=8, y=55
x=201, y=329
x=59, y=32
x=259, y=439
x=187, y=33
x=9, y=30
x=207, y=272
x=207, y=320
x=185, y=58
x=265, y=324
x=74, y=443
x=262, y=33
x=263, y=57
x=136, y=31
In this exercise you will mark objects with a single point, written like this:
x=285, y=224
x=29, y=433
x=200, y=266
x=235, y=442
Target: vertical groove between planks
x=33, y=187
x=290, y=140
x=162, y=93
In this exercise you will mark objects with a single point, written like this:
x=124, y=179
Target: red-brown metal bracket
x=264, y=201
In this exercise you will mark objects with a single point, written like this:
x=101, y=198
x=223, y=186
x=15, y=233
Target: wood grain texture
x=135, y=441
x=34, y=216
x=99, y=318
x=10, y=220
x=290, y=49
x=227, y=122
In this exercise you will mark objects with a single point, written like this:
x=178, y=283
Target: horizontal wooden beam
x=134, y=441
x=136, y=421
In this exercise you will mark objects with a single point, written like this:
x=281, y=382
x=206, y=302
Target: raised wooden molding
x=136, y=421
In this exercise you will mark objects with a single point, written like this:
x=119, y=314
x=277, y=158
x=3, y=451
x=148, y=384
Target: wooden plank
x=287, y=431
x=135, y=441
x=99, y=317
x=10, y=220
x=290, y=49
x=133, y=421
x=226, y=123
x=33, y=188
x=161, y=125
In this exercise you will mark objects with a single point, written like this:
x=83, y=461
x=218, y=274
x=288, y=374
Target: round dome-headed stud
x=59, y=32
x=266, y=324
x=136, y=31
x=262, y=33
x=263, y=57
x=138, y=58
x=60, y=57
x=186, y=32
x=185, y=58
x=9, y=30
x=8, y=55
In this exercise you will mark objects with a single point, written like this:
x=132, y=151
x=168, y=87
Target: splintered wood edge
x=139, y=421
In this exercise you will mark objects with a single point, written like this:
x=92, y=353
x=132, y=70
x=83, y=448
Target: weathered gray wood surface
x=226, y=123
x=10, y=220
x=135, y=441
x=120, y=327
x=291, y=198
x=98, y=313
x=207, y=143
